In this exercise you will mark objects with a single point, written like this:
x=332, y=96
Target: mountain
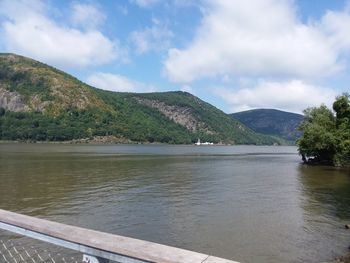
x=271, y=122
x=41, y=103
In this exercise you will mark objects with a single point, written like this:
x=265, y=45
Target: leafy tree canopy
x=326, y=137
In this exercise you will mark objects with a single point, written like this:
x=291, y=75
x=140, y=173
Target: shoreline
x=343, y=259
x=112, y=140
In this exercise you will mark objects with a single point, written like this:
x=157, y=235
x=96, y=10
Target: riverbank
x=95, y=140
x=343, y=259
x=346, y=258
x=109, y=139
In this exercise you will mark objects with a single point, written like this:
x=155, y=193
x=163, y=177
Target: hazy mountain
x=271, y=122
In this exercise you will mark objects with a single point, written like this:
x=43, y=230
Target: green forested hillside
x=272, y=122
x=41, y=103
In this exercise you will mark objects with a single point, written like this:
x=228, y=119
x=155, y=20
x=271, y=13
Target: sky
x=237, y=55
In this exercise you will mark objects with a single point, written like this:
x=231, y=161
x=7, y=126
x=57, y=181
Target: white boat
x=198, y=143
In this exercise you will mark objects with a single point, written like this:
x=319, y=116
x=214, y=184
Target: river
x=246, y=203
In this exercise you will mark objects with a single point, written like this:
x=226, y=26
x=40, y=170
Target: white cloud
x=294, y=95
x=28, y=30
x=115, y=82
x=144, y=3
x=87, y=15
x=187, y=88
x=172, y=3
x=337, y=26
x=154, y=38
x=260, y=38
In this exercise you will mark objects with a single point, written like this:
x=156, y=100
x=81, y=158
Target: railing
x=99, y=247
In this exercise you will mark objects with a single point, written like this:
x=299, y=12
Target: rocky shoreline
x=109, y=139
x=346, y=258
x=343, y=259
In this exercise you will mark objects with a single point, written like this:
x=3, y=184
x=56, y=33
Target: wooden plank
x=120, y=245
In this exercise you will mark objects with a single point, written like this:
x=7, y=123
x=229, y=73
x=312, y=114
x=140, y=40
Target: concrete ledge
x=100, y=244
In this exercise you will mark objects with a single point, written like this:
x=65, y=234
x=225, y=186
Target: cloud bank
x=144, y=3
x=87, y=15
x=294, y=95
x=154, y=38
x=28, y=30
x=115, y=82
x=263, y=38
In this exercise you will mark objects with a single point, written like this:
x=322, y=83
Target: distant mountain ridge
x=41, y=103
x=271, y=122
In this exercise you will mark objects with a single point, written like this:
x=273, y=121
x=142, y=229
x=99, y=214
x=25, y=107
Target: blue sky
x=235, y=54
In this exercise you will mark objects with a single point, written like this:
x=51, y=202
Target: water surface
x=246, y=203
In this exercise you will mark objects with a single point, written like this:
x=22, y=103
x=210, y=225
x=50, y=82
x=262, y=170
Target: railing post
x=92, y=259
x=99, y=247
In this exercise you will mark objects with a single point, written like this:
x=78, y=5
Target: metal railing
x=12, y=251
x=96, y=247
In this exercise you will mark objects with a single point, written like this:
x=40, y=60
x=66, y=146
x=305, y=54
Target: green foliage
x=222, y=128
x=70, y=109
x=326, y=137
x=342, y=109
x=76, y=124
x=272, y=122
x=22, y=82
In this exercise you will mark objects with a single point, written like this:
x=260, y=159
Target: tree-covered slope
x=39, y=102
x=271, y=122
x=28, y=85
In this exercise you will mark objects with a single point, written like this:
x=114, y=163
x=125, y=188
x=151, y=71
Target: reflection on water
x=327, y=189
x=251, y=204
x=326, y=204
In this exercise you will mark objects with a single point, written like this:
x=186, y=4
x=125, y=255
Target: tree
x=342, y=109
x=341, y=106
x=326, y=137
